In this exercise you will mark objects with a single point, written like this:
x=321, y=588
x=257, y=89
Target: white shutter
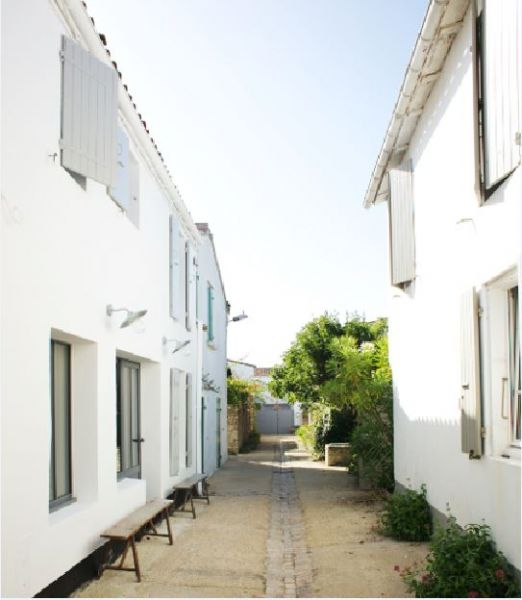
x=176, y=297
x=187, y=283
x=188, y=417
x=120, y=192
x=175, y=399
x=470, y=407
x=402, y=234
x=502, y=100
x=89, y=114
x=133, y=211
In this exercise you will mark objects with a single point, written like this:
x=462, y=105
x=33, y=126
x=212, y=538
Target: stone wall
x=240, y=423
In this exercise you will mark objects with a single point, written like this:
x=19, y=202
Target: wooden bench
x=126, y=530
x=188, y=487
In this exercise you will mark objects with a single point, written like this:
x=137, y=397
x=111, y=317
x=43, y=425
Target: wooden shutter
x=502, y=50
x=188, y=417
x=120, y=191
x=89, y=114
x=133, y=212
x=470, y=404
x=187, y=281
x=402, y=235
x=175, y=399
x=175, y=269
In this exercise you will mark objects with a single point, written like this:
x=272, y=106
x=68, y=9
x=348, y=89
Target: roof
x=82, y=26
x=442, y=22
x=240, y=362
x=204, y=229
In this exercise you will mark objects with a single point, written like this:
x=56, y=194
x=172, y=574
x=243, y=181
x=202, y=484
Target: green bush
x=463, y=563
x=335, y=426
x=306, y=434
x=407, y=516
x=251, y=442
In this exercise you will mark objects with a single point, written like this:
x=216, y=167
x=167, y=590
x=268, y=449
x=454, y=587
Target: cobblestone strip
x=289, y=565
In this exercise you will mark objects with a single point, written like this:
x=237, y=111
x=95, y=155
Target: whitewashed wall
x=214, y=359
x=458, y=245
x=67, y=253
x=241, y=370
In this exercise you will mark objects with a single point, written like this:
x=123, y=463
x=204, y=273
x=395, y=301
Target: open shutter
x=470, y=406
x=89, y=114
x=501, y=80
x=175, y=269
x=175, y=400
x=120, y=192
x=402, y=234
x=133, y=212
x=188, y=416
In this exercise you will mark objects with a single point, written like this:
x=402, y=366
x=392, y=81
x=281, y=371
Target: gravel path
x=278, y=525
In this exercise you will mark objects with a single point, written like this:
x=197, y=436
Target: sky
x=270, y=115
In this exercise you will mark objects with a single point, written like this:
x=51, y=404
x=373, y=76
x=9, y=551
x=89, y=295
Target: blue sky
x=270, y=115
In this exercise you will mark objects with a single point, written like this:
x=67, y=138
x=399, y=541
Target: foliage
x=306, y=434
x=407, y=516
x=251, y=442
x=463, y=563
x=239, y=391
x=333, y=425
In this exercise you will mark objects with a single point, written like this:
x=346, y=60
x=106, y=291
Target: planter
x=338, y=454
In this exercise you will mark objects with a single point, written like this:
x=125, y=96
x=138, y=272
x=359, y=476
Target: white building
x=449, y=169
x=97, y=417
x=241, y=370
x=212, y=303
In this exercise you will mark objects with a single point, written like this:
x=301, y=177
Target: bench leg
x=105, y=558
x=168, y=526
x=135, y=555
x=124, y=555
x=204, y=485
x=192, y=504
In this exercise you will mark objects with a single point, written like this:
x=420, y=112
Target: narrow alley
x=278, y=525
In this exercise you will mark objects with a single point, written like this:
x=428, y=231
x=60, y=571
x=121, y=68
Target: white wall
x=67, y=253
x=458, y=245
x=214, y=359
x=241, y=370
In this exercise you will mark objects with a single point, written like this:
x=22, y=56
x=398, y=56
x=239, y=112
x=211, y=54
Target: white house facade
x=212, y=306
x=101, y=358
x=450, y=172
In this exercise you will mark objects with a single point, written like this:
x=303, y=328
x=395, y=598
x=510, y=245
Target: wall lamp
x=132, y=315
x=178, y=346
x=238, y=318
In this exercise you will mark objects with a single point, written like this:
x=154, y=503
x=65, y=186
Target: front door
x=128, y=433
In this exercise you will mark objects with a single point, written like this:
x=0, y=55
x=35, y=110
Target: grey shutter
x=89, y=114
x=120, y=192
x=188, y=417
x=175, y=399
x=133, y=211
x=470, y=407
x=187, y=284
x=402, y=234
x=175, y=269
x=502, y=53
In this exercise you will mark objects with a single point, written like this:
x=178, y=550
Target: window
x=60, y=479
x=402, y=234
x=188, y=420
x=514, y=366
x=210, y=313
x=128, y=435
x=175, y=401
x=496, y=45
x=89, y=114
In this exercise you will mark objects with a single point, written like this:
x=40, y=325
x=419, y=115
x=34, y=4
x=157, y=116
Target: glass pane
x=61, y=414
x=125, y=417
x=134, y=425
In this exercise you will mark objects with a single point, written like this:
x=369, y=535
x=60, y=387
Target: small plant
x=306, y=435
x=463, y=563
x=407, y=516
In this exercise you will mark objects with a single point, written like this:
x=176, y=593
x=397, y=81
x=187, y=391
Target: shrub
x=251, y=442
x=407, y=516
x=463, y=563
x=333, y=426
x=306, y=434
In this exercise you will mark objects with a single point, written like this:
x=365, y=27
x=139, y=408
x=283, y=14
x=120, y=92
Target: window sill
x=511, y=456
x=56, y=505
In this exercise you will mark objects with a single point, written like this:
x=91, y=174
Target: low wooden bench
x=126, y=530
x=188, y=487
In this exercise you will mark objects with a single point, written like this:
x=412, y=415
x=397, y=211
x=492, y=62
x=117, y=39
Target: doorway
x=128, y=431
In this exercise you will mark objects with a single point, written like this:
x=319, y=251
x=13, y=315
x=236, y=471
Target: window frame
x=210, y=313
x=135, y=471
x=58, y=501
x=514, y=365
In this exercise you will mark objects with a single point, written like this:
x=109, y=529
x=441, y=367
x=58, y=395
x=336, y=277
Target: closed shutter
x=120, y=192
x=89, y=114
x=501, y=80
x=133, y=212
x=175, y=269
x=175, y=400
x=187, y=282
x=402, y=234
x=470, y=405
x=188, y=416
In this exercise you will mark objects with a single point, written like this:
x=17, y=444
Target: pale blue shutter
x=175, y=400
x=89, y=114
x=470, y=404
x=502, y=52
x=402, y=233
x=133, y=212
x=175, y=269
x=188, y=420
x=120, y=192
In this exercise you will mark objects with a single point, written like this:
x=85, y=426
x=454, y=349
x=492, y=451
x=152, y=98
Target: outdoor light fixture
x=132, y=315
x=238, y=317
x=178, y=346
